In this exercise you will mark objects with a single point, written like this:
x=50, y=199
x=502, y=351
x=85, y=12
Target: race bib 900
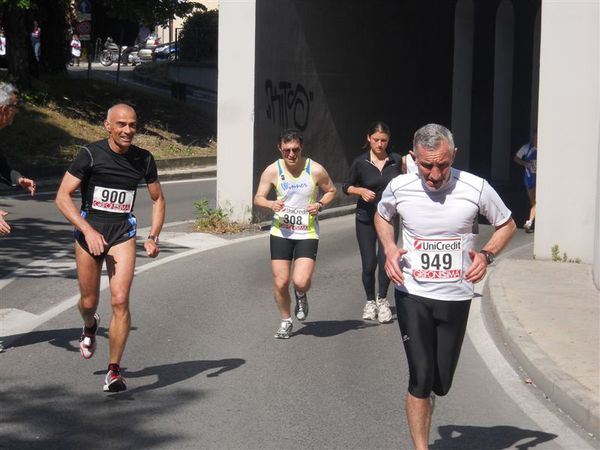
x=437, y=260
x=294, y=219
x=112, y=200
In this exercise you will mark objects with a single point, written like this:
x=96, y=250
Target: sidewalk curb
x=168, y=169
x=566, y=392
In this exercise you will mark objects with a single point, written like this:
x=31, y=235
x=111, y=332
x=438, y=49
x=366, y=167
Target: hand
x=27, y=184
x=4, y=227
x=277, y=205
x=392, y=265
x=478, y=267
x=367, y=195
x=95, y=242
x=151, y=247
x=313, y=208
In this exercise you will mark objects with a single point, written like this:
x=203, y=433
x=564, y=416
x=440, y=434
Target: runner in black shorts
x=108, y=172
x=435, y=271
x=297, y=181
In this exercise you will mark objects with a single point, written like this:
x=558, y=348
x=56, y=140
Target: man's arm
x=497, y=242
x=385, y=233
x=264, y=187
x=326, y=186
x=158, y=218
x=64, y=202
x=4, y=227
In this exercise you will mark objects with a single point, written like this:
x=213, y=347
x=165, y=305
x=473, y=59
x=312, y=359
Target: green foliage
x=23, y=4
x=198, y=41
x=215, y=220
x=150, y=12
x=557, y=257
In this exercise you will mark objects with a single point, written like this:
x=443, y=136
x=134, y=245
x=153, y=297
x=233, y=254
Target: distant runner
x=295, y=229
x=108, y=173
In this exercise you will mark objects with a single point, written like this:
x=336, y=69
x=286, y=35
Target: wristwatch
x=151, y=237
x=489, y=256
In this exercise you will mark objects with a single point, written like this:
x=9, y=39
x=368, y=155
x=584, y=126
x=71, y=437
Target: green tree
x=157, y=12
x=198, y=41
x=55, y=16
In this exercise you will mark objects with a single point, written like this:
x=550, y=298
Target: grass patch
x=62, y=113
x=217, y=220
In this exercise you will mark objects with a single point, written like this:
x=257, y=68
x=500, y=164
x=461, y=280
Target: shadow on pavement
x=54, y=417
x=329, y=328
x=169, y=374
x=491, y=438
x=67, y=339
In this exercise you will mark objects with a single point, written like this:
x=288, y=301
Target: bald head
x=121, y=124
x=119, y=108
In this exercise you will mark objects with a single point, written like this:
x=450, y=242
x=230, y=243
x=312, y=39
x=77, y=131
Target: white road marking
x=20, y=324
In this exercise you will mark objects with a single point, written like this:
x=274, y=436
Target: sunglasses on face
x=294, y=150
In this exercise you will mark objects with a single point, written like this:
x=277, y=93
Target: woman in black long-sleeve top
x=369, y=175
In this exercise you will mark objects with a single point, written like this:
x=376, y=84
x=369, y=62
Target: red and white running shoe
x=87, y=341
x=114, y=382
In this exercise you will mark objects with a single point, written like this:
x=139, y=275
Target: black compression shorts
x=292, y=249
x=432, y=332
x=114, y=232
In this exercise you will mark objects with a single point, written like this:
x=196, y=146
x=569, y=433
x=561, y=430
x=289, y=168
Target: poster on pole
x=84, y=19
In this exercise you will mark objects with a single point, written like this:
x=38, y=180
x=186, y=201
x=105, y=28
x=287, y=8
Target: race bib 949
x=437, y=260
x=112, y=200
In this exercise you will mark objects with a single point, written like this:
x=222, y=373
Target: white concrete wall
x=235, y=112
x=568, y=129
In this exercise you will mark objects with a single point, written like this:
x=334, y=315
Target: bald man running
x=108, y=173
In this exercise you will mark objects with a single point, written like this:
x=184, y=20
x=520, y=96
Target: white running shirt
x=437, y=230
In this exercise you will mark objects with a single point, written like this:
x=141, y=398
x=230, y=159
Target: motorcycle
x=110, y=54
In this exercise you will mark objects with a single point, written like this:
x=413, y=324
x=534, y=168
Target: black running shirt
x=109, y=179
x=363, y=173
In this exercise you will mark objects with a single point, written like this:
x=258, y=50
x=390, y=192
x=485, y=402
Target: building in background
x=168, y=33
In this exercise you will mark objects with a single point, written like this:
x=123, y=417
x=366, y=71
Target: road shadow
x=67, y=339
x=169, y=374
x=43, y=240
x=53, y=416
x=463, y=437
x=329, y=328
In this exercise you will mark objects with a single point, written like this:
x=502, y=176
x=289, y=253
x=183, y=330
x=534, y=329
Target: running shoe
x=528, y=226
x=370, y=310
x=114, y=381
x=87, y=341
x=384, y=313
x=285, y=330
x=301, y=309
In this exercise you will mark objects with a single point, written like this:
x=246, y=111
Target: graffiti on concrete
x=287, y=106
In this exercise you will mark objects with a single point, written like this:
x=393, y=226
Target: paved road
x=204, y=371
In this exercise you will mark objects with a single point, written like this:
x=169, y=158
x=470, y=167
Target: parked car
x=165, y=52
x=145, y=54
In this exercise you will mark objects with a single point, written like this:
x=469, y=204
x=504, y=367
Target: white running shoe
x=301, y=310
x=384, y=313
x=370, y=310
x=528, y=226
x=285, y=330
x=87, y=341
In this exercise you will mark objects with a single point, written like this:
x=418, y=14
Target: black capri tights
x=432, y=332
x=372, y=256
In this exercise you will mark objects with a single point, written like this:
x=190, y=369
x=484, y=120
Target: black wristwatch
x=151, y=237
x=489, y=256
